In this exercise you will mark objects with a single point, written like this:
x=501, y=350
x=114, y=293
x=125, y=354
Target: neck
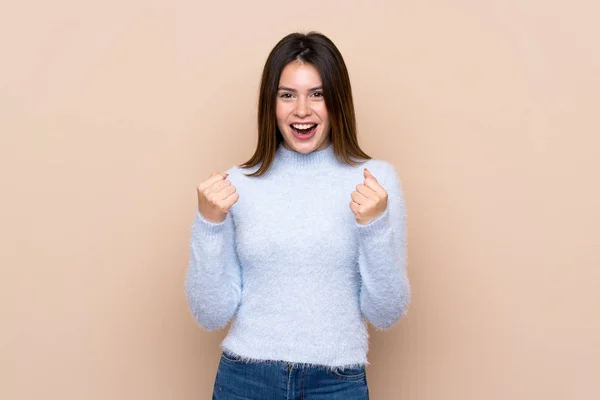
x=287, y=158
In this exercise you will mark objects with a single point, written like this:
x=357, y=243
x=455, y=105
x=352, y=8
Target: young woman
x=303, y=243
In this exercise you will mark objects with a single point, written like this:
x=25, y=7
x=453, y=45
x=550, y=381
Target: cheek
x=322, y=111
x=281, y=112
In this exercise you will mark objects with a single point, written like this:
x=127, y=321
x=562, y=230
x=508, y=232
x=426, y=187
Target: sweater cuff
x=376, y=227
x=207, y=230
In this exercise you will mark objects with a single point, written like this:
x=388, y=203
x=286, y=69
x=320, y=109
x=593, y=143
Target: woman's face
x=301, y=113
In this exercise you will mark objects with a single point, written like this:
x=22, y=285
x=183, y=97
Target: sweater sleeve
x=385, y=289
x=213, y=279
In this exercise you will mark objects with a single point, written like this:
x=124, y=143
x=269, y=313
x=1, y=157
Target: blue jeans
x=278, y=380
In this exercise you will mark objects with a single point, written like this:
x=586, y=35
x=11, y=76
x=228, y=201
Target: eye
x=285, y=95
x=318, y=94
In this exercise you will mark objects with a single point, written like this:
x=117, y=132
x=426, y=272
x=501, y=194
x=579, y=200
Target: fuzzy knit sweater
x=291, y=267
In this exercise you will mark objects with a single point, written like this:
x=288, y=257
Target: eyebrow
x=294, y=90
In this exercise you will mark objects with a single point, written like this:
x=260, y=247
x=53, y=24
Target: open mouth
x=304, y=129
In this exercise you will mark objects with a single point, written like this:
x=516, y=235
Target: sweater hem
x=229, y=346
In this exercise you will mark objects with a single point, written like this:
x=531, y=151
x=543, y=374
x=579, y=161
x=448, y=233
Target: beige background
x=111, y=112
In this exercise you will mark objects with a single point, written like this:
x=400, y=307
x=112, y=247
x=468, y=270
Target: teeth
x=303, y=126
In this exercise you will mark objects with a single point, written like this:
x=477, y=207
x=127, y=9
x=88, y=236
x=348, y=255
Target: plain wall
x=112, y=112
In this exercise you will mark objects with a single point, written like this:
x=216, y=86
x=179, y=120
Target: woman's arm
x=213, y=280
x=385, y=289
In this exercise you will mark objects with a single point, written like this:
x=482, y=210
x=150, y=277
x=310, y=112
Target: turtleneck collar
x=291, y=159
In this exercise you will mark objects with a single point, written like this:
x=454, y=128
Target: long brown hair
x=316, y=49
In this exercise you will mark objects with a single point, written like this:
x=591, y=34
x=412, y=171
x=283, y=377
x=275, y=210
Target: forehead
x=300, y=75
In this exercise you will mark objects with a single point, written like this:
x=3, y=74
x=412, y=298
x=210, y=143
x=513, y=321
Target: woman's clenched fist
x=216, y=195
x=369, y=200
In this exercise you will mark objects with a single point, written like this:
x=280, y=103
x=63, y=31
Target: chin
x=306, y=147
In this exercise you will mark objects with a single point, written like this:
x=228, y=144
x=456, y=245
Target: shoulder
x=238, y=175
x=383, y=170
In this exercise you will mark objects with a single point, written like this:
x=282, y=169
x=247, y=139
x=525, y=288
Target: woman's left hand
x=369, y=200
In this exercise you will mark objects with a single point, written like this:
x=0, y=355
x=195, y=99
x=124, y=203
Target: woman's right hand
x=216, y=196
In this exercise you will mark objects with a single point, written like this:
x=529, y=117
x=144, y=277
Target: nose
x=302, y=108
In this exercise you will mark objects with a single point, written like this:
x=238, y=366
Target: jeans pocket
x=231, y=358
x=348, y=374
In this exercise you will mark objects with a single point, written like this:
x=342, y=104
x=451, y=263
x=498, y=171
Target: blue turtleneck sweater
x=293, y=268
